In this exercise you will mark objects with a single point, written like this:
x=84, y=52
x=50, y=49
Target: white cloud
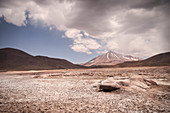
x=80, y=48
x=111, y=45
x=13, y=14
x=73, y=33
x=50, y=12
x=81, y=43
x=132, y=27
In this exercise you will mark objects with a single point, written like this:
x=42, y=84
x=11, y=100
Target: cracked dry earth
x=73, y=91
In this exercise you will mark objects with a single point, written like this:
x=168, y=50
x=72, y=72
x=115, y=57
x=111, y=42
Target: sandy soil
x=55, y=91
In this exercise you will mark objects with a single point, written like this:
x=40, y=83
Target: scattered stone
x=112, y=84
x=150, y=82
x=77, y=94
x=37, y=76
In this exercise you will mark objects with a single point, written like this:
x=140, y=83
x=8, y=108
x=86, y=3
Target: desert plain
x=77, y=91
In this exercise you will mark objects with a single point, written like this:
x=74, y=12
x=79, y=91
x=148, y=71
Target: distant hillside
x=13, y=59
x=162, y=59
x=110, y=58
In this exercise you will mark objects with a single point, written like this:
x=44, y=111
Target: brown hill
x=162, y=59
x=14, y=59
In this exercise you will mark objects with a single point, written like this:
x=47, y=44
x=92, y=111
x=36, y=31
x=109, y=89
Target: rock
x=150, y=82
x=37, y=76
x=108, y=88
x=108, y=85
x=137, y=83
x=123, y=83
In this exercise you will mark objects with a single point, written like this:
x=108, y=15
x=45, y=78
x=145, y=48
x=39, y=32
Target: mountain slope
x=110, y=58
x=162, y=59
x=13, y=59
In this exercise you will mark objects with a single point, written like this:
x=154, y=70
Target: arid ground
x=76, y=90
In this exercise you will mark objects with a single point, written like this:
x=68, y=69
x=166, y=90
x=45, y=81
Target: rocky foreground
x=79, y=90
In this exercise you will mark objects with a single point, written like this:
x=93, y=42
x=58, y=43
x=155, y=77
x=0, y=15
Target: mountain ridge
x=110, y=58
x=162, y=59
x=15, y=59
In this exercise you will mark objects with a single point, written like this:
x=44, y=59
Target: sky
x=79, y=30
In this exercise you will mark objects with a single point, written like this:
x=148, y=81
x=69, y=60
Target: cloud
x=12, y=11
x=73, y=33
x=81, y=41
x=132, y=27
x=80, y=48
x=49, y=12
x=137, y=27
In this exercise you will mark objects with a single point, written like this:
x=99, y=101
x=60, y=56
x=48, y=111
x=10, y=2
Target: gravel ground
x=74, y=91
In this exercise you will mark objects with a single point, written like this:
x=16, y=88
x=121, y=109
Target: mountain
x=14, y=59
x=110, y=58
x=162, y=59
